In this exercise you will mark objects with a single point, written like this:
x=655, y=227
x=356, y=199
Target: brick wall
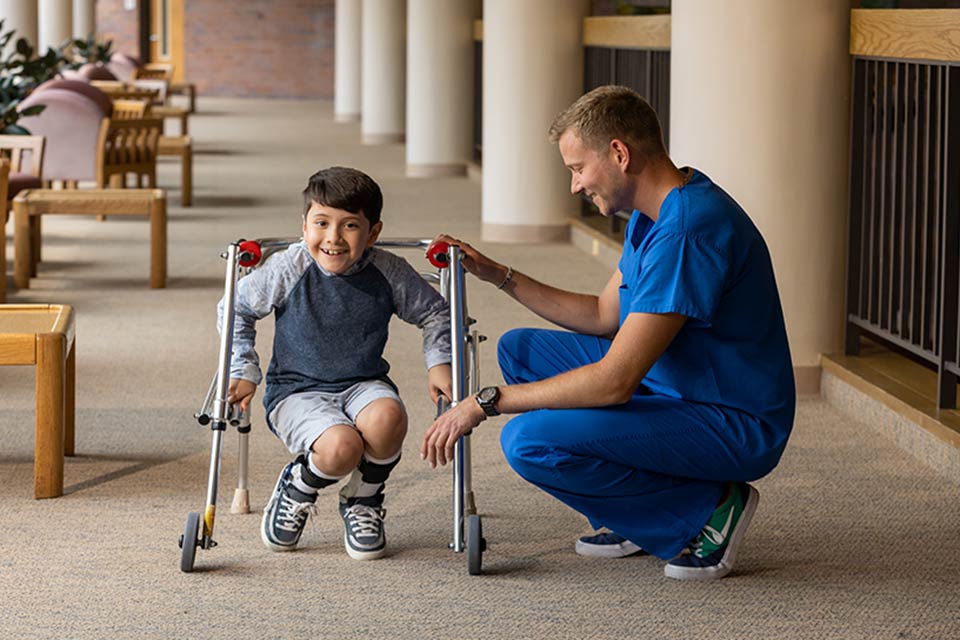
x=260, y=47
x=117, y=24
x=244, y=47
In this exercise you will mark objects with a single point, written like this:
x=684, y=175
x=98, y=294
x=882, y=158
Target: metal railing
x=646, y=71
x=903, y=275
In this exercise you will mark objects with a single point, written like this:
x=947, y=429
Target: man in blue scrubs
x=671, y=390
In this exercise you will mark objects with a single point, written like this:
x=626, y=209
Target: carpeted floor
x=853, y=539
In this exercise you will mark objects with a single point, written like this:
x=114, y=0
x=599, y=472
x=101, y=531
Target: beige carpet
x=853, y=539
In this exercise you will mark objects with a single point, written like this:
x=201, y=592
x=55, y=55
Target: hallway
x=854, y=538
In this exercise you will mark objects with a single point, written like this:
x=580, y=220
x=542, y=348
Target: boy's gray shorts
x=301, y=418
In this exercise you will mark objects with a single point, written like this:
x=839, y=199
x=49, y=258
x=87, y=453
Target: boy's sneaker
x=607, y=544
x=363, y=534
x=286, y=514
x=714, y=552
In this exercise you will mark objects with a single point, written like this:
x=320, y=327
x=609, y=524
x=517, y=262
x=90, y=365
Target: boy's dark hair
x=347, y=189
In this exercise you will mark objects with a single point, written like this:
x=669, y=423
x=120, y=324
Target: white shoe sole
x=727, y=562
x=362, y=555
x=622, y=550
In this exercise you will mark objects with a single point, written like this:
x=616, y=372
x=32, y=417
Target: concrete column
x=55, y=23
x=20, y=16
x=440, y=86
x=532, y=70
x=346, y=93
x=759, y=102
x=383, y=64
x=84, y=19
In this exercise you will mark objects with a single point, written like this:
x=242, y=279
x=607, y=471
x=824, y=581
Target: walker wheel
x=437, y=255
x=189, y=542
x=476, y=545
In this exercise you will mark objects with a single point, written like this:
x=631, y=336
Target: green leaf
x=24, y=48
x=14, y=130
x=33, y=110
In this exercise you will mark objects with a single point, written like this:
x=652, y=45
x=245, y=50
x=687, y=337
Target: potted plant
x=20, y=73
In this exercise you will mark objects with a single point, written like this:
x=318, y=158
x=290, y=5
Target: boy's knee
x=386, y=416
x=338, y=450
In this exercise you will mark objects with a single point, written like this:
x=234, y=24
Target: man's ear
x=374, y=233
x=620, y=153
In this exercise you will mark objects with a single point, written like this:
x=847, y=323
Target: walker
x=243, y=257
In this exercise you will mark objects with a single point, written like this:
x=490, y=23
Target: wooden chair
x=127, y=91
x=70, y=123
x=123, y=91
x=169, y=146
x=4, y=176
x=154, y=71
x=24, y=156
x=128, y=146
x=129, y=109
x=4, y=172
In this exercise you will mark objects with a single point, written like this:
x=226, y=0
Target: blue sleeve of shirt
x=678, y=273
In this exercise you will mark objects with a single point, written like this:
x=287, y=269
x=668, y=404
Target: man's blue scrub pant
x=651, y=470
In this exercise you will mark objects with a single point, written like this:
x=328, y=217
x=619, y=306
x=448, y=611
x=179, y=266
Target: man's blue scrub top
x=705, y=259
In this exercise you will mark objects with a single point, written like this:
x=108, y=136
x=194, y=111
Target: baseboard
x=807, y=380
x=925, y=439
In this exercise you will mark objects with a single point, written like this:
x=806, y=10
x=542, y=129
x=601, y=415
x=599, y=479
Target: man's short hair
x=610, y=112
x=347, y=189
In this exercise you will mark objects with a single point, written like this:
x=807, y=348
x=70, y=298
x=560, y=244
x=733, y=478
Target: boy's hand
x=440, y=380
x=241, y=391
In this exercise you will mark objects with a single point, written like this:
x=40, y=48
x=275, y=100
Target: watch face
x=488, y=394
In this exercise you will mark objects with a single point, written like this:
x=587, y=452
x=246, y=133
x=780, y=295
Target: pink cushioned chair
x=97, y=71
x=80, y=86
x=71, y=124
x=123, y=66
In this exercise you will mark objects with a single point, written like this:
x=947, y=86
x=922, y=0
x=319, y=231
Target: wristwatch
x=487, y=399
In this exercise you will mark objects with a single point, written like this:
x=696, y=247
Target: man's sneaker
x=607, y=545
x=714, y=551
x=286, y=514
x=363, y=533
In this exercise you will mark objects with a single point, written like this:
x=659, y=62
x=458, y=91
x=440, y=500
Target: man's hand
x=440, y=381
x=474, y=261
x=241, y=391
x=438, y=442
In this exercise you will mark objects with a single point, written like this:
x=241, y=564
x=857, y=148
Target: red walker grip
x=437, y=255
x=252, y=251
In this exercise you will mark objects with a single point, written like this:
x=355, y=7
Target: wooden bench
x=181, y=147
x=31, y=204
x=44, y=335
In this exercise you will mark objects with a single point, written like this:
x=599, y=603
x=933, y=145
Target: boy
x=328, y=397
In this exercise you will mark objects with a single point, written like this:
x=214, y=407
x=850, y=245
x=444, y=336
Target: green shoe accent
x=716, y=533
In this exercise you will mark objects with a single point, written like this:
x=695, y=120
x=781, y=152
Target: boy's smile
x=336, y=238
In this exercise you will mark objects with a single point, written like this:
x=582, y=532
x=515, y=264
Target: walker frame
x=242, y=257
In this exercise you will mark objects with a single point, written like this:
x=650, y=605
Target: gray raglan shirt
x=331, y=329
